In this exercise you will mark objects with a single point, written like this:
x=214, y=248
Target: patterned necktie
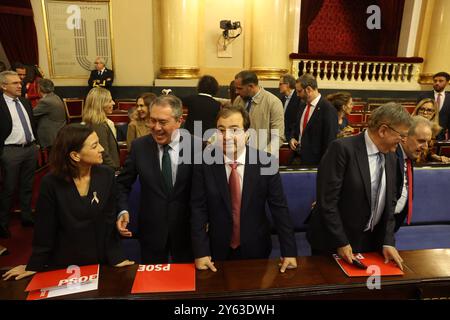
x=166, y=168
x=438, y=101
x=23, y=121
x=249, y=105
x=410, y=189
x=376, y=203
x=235, y=194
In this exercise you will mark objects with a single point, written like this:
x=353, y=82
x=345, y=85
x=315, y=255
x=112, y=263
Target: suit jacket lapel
x=251, y=175
x=363, y=164
x=4, y=106
x=222, y=183
x=155, y=167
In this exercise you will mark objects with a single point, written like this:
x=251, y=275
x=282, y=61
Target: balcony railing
x=347, y=72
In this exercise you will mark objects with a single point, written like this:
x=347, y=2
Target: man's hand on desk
x=18, y=272
x=391, y=253
x=122, y=223
x=124, y=263
x=205, y=263
x=346, y=253
x=287, y=263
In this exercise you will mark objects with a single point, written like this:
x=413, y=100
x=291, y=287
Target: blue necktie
x=23, y=121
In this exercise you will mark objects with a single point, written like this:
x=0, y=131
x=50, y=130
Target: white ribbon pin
x=95, y=198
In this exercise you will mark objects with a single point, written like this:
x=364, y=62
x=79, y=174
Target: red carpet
x=19, y=245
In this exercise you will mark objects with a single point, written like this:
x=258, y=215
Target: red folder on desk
x=374, y=261
x=63, y=282
x=164, y=278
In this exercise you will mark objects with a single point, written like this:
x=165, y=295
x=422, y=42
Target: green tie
x=167, y=168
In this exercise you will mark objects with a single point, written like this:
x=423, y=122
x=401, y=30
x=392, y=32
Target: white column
x=270, y=54
x=438, y=45
x=179, y=26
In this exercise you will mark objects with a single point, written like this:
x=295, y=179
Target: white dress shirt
x=401, y=202
x=17, y=135
x=311, y=111
x=240, y=168
x=372, y=153
x=442, y=98
x=288, y=99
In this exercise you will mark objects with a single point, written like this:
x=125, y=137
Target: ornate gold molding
x=426, y=78
x=269, y=73
x=178, y=73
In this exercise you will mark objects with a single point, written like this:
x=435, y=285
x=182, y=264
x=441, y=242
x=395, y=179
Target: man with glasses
x=229, y=197
x=356, y=190
x=101, y=76
x=163, y=230
x=442, y=99
x=290, y=101
x=408, y=151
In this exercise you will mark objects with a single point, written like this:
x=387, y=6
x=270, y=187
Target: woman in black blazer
x=75, y=212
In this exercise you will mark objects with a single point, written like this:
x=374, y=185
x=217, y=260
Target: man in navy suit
x=163, y=217
x=229, y=197
x=408, y=151
x=354, y=212
x=290, y=101
x=442, y=99
x=316, y=125
x=17, y=150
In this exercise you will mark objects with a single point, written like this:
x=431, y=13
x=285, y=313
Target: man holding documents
x=356, y=190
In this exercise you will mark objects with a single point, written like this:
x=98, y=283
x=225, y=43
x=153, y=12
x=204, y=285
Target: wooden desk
x=427, y=276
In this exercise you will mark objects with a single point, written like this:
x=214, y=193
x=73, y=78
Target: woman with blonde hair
x=98, y=105
x=139, y=126
x=428, y=109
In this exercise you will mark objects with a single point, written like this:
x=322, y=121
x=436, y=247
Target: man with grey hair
x=264, y=108
x=164, y=214
x=290, y=101
x=50, y=114
x=101, y=76
x=408, y=151
x=17, y=150
x=316, y=125
x=356, y=190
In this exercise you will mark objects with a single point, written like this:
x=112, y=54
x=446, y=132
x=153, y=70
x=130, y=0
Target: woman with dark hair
x=34, y=74
x=75, y=212
x=139, y=127
x=343, y=103
x=203, y=107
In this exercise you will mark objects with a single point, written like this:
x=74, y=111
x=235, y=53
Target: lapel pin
x=95, y=198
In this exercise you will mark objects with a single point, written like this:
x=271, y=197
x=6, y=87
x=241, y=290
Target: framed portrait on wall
x=76, y=33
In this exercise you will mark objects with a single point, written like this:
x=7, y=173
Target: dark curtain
x=18, y=32
x=391, y=23
x=309, y=10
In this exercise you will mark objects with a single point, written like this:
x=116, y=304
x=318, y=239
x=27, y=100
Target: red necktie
x=305, y=119
x=235, y=193
x=438, y=101
x=410, y=189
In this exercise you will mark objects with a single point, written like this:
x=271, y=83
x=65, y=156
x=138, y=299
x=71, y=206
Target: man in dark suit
x=17, y=150
x=101, y=76
x=290, y=101
x=202, y=107
x=228, y=200
x=50, y=114
x=442, y=99
x=408, y=151
x=356, y=190
x=163, y=229
x=316, y=125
